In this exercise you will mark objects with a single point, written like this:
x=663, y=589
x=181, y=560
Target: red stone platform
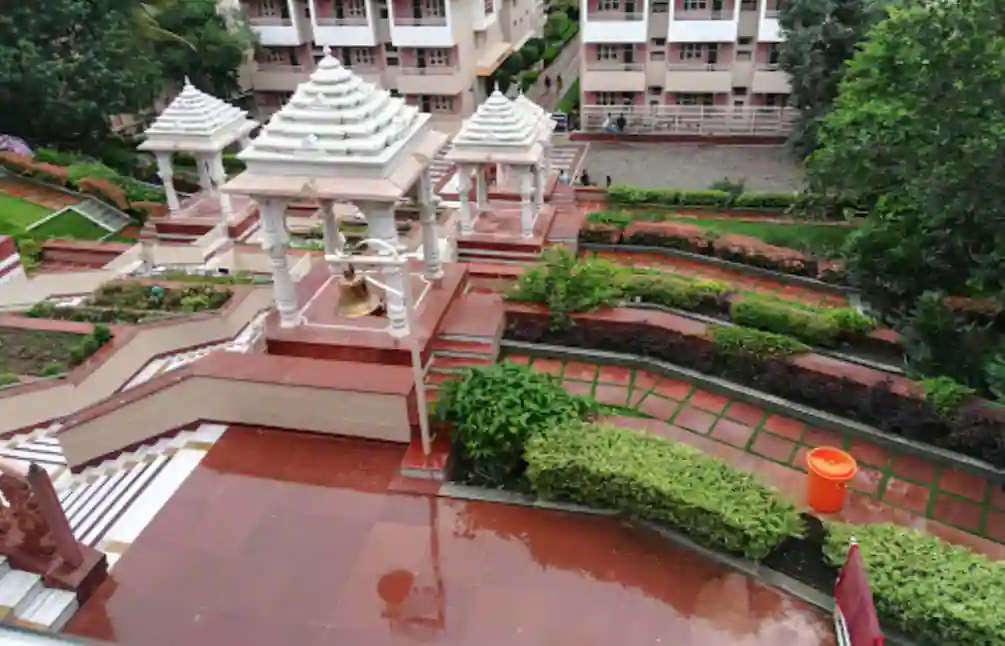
x=370, y=341
x=509, y=192
x=498, y=229
x=200, y=213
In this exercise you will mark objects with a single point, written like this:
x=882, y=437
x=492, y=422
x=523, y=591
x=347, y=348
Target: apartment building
x=437, y=54
x=695, y=62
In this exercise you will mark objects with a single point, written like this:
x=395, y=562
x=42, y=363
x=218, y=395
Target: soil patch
x=29, y=352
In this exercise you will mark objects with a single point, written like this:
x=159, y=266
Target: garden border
x=852, y=294
x=751, y=569
x=760, y=398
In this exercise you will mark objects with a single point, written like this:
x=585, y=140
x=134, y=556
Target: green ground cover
x=16, y=214
x=817, y=239
x=69, y=225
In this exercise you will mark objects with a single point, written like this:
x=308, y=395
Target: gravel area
x=690, y=166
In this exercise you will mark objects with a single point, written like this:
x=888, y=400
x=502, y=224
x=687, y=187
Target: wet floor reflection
x=280, y=538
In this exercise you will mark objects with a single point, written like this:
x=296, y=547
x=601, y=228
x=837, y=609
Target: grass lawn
x=16, y=214
x=69, y=225
x=817, y=239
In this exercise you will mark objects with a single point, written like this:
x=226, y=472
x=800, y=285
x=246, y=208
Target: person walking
x=584, y=178
x=608, y=181
x=622, y=122
x=563, y=177
x=547, y=84
x=558, y=83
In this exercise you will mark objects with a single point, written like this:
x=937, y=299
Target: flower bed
x=45, y=353
x=937, y=593
x=601, y=283
x=780, y=366
x=747, y=250
x=132, y=303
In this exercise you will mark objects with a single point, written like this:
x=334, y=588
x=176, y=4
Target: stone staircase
x=107, y=506
x=469, y=338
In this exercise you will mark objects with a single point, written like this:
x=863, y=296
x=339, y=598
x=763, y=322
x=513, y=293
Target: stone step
x=51, y=609
x=463, y=348
x=18, y=590
x=441, y=363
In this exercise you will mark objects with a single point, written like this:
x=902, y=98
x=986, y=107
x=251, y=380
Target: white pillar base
x=271, y=214
x=464, y=193
x=433, y=264
x=166, y=174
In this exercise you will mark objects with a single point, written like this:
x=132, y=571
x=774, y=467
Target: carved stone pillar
x=380, y=219
x=427, y=218
x=527, y=210
x=464, y=193
x=481, y=189
x=166, y=174
x=540, y=179
x=333, y=239
x=219, y=175
x=203, y=165
x=272, y=213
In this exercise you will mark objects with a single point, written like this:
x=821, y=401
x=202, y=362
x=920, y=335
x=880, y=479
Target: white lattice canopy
x=500, y=131
x=339, y=137
x=197, y=122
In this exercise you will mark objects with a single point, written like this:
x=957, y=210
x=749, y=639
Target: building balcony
x=408, y=30
x=432, y=79
x=279, y=78
x=686, y=28
x=281, y=31
x=705, y=14
x=770, y=80
x=699, y=78
x=613, y=76
x=768, y=29
x=615, y=27
x=347, y=31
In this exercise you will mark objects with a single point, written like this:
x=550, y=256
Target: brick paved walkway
x=890, y=486
x=36, y=194
x=742, y=281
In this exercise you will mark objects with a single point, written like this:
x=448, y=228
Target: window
x=438, y=103
x=748, y=5
x=609, y=5
x=690, y=52
x=695, y=5
x=275, y=56
x=774, y=53
x=659, y=42
x=354, y=8
x=604, y=98
x=659, y=6
x=389, y=48
x=740, y=91
x=437, y=57
x=655, y=90
x=432, y=8
x=776, y=100
x=683, y=98
x=743, y=56
x=745, y=40
x=657, y=56
x=360, y=56
x=627, y=98
x=607, y=53
x=489, y=7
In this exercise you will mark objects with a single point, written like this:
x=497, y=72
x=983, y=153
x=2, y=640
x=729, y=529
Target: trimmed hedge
x=926, y=588
x=634, y=196
x=645, y=476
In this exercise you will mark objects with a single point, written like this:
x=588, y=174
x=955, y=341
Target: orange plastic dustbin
x=830, y=471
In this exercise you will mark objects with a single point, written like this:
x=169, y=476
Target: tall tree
x=820, y=37
x=66, y=64
x=916, y=137
x=213, y=48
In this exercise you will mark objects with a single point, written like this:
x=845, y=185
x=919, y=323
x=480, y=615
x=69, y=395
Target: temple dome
x=498, y=122
x=197, y=122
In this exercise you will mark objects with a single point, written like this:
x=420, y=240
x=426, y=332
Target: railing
x=347, y=21
x=713, y=120
x=697, y=66
x=280, y=67
x=429, y=70
x=270, y=21
x=362, y=68
x=424, y=21
x=613, y=66
x=616, y=16
x=704, y=14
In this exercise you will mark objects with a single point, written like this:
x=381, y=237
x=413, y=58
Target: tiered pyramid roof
x=498, y=132
x=341, y=135
x=546, y=125
x=197, y=122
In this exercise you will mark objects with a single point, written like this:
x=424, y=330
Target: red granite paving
x=889, y=487
x=40, y=195
x=284, y=538
x=741, y=281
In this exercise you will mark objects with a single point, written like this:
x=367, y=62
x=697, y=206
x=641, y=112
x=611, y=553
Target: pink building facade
x=690, y=65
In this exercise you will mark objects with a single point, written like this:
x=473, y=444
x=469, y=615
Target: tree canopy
x=67, y=65
x=916, y=137
x=820, y=37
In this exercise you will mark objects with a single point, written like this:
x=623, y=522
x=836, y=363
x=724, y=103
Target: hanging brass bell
x=355, y=298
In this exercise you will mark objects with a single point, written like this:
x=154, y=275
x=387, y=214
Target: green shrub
x=617, y=219
x=555, y=25
x=768, y=201
x=57, y=157
x=945, y=394
x=566, y=286
x=741, y=340
x=551, y=52
x=726, y=185
x=704, y=198
x=514, y=63
x=852, y=322
x=645, y=476
x=53, y=369
x=569, y=33
x=528, y=78
x=724, y=194
x=495, y=410
x=811, y=327
x=501, y=80
x=8, y=378
x=994, y=375
x=935, y=592
x=672, y=291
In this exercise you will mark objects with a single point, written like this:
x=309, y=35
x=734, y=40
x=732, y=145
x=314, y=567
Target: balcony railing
x=270, y=21
x=424, y=21
x=346, y=21
x=363, y=68
x=768, y=67
x=616, y=16
x=771, y=13
x=613, y=66
x=429, y=70
x=709, y=120
x=280, y=67
x=697, y=66
x=704, y=14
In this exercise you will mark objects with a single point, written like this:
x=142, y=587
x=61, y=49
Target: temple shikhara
x=357, y=260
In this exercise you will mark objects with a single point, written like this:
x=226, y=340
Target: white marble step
x=50, y=609
x=17, y=591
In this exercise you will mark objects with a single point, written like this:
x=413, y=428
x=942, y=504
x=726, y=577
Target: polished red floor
x=281, y=538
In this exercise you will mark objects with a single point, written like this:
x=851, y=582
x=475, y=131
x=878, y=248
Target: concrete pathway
x=566, y=66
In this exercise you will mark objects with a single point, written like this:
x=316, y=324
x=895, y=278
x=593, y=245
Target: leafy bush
x=811, y=327
x=551, y=52
x=137, y=296
x=57, y=157
x=994, y=375
x=567, y=286
x=495, y=410
x=724, y=194
x=532, y=50
x=514, y=63
x=53, y=369
x=766, y=201
x=528, y=78
x=763, y=345
x=707, y=297
x=616, y=219
x=645, y=476
x=556, y=25
x=501, y=80
x=935, y=592
x=8, y=378
x=726, y=185
x=90, y=344
x=945, y=394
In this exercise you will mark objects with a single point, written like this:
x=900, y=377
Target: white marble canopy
x=546, y=125
x=499, y=132
x=197, y=122
x=339, y=138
